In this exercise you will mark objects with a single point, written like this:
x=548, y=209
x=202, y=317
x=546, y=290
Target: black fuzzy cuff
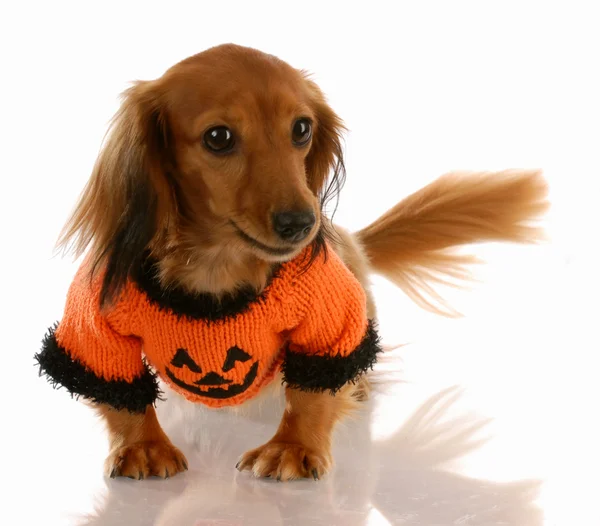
x=317, y=373
x=64, y=371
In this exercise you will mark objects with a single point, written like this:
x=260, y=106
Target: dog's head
x=230, y=146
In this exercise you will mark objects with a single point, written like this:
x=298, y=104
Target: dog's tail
x=411, y=244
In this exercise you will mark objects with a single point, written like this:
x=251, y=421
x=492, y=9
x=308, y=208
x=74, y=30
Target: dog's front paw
x=285, y=461
x=145, y=459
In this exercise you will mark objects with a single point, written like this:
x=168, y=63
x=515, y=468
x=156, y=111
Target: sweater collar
x=210, y=307
x=199, y=306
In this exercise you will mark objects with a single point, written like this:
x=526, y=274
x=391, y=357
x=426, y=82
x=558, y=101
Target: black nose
x=293, y=226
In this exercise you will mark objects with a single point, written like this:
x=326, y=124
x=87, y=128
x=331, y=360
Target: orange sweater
x=311, y=324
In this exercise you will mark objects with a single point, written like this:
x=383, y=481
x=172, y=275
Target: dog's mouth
x=273, y=251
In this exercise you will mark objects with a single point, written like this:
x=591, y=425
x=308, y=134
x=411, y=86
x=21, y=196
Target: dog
x=212, y=179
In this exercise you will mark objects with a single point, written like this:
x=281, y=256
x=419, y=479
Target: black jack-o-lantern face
x=210, y=385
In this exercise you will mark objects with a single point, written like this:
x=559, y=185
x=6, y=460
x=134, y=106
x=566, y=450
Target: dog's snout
x=294, y=226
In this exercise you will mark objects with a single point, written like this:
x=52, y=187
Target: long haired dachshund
x=215, y=177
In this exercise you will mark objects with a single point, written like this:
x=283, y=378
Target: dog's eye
x=219, y=139
x=301, y=132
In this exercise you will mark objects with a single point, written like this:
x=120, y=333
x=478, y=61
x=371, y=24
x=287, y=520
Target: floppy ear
x=128, y=199
x=326, y=153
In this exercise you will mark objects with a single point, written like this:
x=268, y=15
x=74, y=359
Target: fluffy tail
x=411, y=244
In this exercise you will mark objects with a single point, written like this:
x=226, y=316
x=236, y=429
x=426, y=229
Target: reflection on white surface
x=514, y=444
x=400, y=480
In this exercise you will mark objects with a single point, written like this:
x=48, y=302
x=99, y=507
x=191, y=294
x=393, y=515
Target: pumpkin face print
x=212, y=384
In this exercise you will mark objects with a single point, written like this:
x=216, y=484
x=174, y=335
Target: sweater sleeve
x=331, y=341
x=92, y=352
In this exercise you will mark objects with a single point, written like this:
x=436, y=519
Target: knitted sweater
x=309, y=322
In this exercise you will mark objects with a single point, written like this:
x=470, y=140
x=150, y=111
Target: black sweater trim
x=205, y=306
x=317, y=373
x=64, y=371
x=210, y=307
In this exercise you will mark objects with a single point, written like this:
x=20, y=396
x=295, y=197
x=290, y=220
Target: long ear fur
x=326, y=153
x=128, y=194
x=325, y=168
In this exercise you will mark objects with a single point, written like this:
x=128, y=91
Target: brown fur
x=411, y=243
x=156, y=187
x=139, y=447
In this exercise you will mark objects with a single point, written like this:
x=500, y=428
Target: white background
x=425, y=88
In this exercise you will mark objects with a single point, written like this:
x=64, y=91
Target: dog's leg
x=302, y=445
x=139, y=448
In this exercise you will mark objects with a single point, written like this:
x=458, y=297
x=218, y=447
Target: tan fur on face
x=268, y=174
x=155, y=155
x=155, y=186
